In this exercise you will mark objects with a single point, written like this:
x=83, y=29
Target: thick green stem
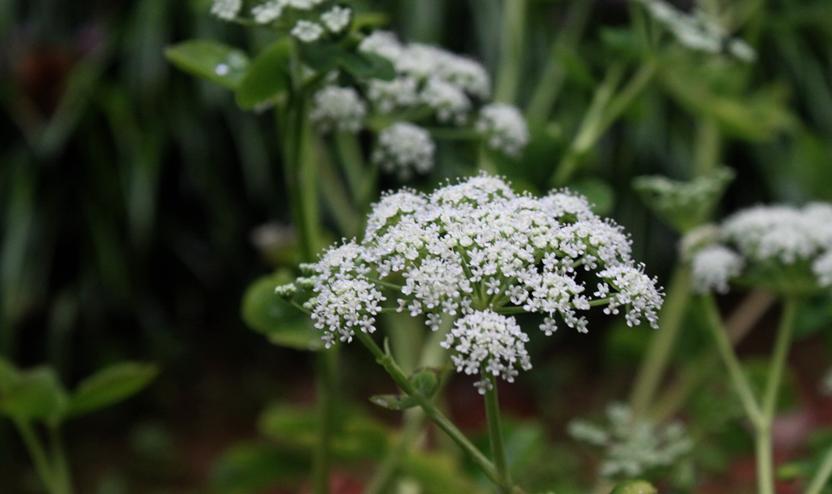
x=511, y=50
x=729, y=358
x=430, y=409
x=495, y=433
x=327, y=368
x=765, y=474
x=822, y=476
x=658, y=354
x=708, y=144
x=37, y=453
x=62, y=478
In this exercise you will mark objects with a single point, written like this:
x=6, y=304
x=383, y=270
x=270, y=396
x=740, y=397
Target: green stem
x=729, y=358
x=655, y=362
x=707, y=146
x=511, y=49
x=63, y=480
x=430, y=409
x=37, y=453
x=778, y=360
x=822, y=476
x=551, y=81
x=765, y=474
x=351, y=158
x=495, y=433
x=327, y=367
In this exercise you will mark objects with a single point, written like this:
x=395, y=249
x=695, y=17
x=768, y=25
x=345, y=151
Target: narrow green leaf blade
x=210, y=60
x=110, y=386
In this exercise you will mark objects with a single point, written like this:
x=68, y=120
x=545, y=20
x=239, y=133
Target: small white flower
x=713, y=267
x=503, y=128
x=388, y=96
x=487, y=342
x=303, y=4
x=448, y=101
x=404, y=148
x=307, y=31
x=382, y=43
x=336, y=18
x=286, y=291
x=338, y=108
x=226, y=9
x=822, y=267
x=268, y=12
x=629, y=287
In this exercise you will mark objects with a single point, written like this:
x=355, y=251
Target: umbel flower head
x=477, y=253
x=306, y=20
x=785, y=248
x=403, y=149
x=632, y=447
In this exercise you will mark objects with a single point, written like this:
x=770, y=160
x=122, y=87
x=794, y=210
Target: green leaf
x=280, y=322
x=393, y=402
x=210, y=60
x=321, y=57
x=255, y=467
x=634, y=487
x=109, y=386
x=425, y=381
x=8, y=374
x=365, y=66
x=267, y=77
x=34, y=395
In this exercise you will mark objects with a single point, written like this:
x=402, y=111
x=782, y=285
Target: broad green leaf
x=634, y=487
x=110, y=386
x=210, y=60
x=267, y=77
x=393, y=402
x=255, y=467
x=365, y=66
x=322, y=57
x=280, y=322
x=36, y=394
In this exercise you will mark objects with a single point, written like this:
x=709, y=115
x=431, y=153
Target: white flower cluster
x=403, y=149
x=698, y=31
x=765, y=237
x=477, y=251
x=426, y=75
x=338, y=108
x=632, y=447
x=503, y=128
x=490, y=343
x=309, y=20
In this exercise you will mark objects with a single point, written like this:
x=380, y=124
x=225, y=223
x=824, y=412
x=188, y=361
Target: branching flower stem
x=433, y=413
x=760, y=415
x=495, y=433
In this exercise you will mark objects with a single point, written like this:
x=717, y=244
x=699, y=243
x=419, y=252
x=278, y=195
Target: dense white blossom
x=396, y=94
x=698, y=31
x=476, y=252
x=503, y=128
x=338, y=108
x=768, y=241
x=448, y=101
x=713, y=267
x=268, y=11
x=307, y=31
x=226, y=9
x=489, y=343
x=632, y=447
x=336, y=18
x=303, y=4
x=403, y=149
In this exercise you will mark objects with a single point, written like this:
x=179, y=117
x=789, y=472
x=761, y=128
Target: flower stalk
x=495, y=433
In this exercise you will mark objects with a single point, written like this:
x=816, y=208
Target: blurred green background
x=137, y=203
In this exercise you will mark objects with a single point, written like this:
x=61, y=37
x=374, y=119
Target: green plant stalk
x=653, y=366
x=605, y=109
x=301, y=184
x=822, y=476
x=63, y=480
x=551, y=80
x=765, y=460
x=708, y=146
x=431, y=410
x=37, y=453
x=495, y=433
x=511, y=49
x=351, y=158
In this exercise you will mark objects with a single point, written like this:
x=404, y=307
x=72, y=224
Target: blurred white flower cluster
x=778, y=243
x=430, y=85
x=306, y=20
x=478, y=252
x=699, y=30
x=632, y=447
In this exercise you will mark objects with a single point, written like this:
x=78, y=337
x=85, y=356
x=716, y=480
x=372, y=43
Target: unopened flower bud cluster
x=632, y=447
x=477, y=253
